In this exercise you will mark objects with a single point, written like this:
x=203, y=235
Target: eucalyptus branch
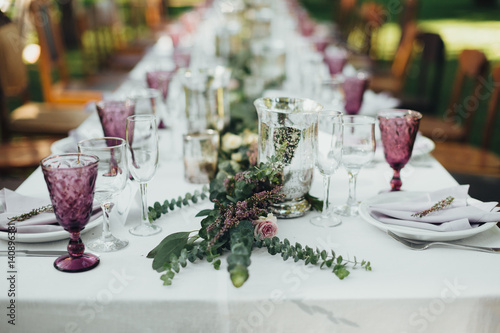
x=158, y=209
x=337, y=264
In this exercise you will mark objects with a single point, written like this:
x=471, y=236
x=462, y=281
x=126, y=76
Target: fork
x=423, y=245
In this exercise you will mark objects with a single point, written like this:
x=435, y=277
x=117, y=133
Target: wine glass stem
x=326, y=192
x=144, y=199
x=351, y=201
x=75, y=245
x=105, y=223
x=396, y=180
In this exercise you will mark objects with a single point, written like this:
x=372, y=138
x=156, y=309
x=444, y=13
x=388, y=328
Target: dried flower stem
x=437, y=207
x=36, y=211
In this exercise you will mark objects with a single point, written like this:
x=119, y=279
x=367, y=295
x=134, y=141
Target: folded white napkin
x=463, y=213
x=14, y=204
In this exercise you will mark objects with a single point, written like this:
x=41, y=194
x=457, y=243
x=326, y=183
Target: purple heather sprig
x=250, y=209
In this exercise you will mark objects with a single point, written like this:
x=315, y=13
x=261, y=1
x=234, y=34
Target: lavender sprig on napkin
x=15, y=204
x=463, y=212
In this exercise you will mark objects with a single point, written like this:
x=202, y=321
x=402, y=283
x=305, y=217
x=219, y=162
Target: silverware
x=34, y=253
x=423, y=245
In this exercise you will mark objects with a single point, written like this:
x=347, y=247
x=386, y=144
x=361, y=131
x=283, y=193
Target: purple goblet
x=160, y=80
x=71, y=181
x=398, y=129
x=335, y=58
x=113, y=116
x=354, y=89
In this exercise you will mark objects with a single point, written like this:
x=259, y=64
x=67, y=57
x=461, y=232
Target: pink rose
x=266, y=227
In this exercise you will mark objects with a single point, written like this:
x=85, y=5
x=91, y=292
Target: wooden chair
x=456, y=124
x=426, y=96
x=394, y=80
x=463, y=158
x=48, y=119
x=52, y=61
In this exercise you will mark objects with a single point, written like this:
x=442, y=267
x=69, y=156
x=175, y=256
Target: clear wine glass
x=328, y=156
x=398, y=129
x=357, y=151
x=142, y=139
x=111, y=180
x=71, y=181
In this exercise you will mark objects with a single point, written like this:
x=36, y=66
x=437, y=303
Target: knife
x=34, y=253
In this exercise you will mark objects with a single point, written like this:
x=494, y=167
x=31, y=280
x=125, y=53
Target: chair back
x=404, y=52
x=52, y=55
x=493, y=109
x=432, y=62
x=13, y=74
x=472, y=66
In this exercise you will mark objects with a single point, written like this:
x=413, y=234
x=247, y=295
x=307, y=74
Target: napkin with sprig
x=450, y=209
x=30, y=214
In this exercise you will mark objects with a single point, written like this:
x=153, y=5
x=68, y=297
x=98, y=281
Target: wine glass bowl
x=111, y=180
x=113, y=116
x=71, y=179
x=142, y=140
x=328, y=156
x=358, y=149
x=354, y=89
x=398, y=130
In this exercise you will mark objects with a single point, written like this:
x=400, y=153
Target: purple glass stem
x=398, y=130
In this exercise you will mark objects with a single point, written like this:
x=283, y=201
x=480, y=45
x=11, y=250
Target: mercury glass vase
x=207, y=99
x=288, y=129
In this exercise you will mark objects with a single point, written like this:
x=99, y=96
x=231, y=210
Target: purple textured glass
x=335, y=62
x=398, y=129
x=113, y=116
x=160, y=80
x=354, y=89
x=71, y=181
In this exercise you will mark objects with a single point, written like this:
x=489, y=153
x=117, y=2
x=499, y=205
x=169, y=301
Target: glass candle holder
x=200, y=156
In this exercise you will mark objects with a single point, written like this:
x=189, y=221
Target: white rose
x=231, y=142
x=236, y=157
x=250, y=139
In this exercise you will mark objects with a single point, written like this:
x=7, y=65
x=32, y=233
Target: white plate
x=42, y=237
x=414, y=233
x=66, y=145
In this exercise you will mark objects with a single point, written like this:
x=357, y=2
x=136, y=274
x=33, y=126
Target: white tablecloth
x=438, y=290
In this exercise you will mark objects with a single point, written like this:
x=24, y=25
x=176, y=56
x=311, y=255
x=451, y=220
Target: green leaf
x=239, y=274
x=172, y=244
x=217, y=264
x=204, y=212
x=341, y=272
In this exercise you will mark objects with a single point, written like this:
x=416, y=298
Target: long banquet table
x=437, y=290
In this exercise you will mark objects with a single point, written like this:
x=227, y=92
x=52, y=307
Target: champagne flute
x=398, y=129
x=111, y=180
x=357, y=151
x=328, y=156
x=142, y=140
x=71, y=181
